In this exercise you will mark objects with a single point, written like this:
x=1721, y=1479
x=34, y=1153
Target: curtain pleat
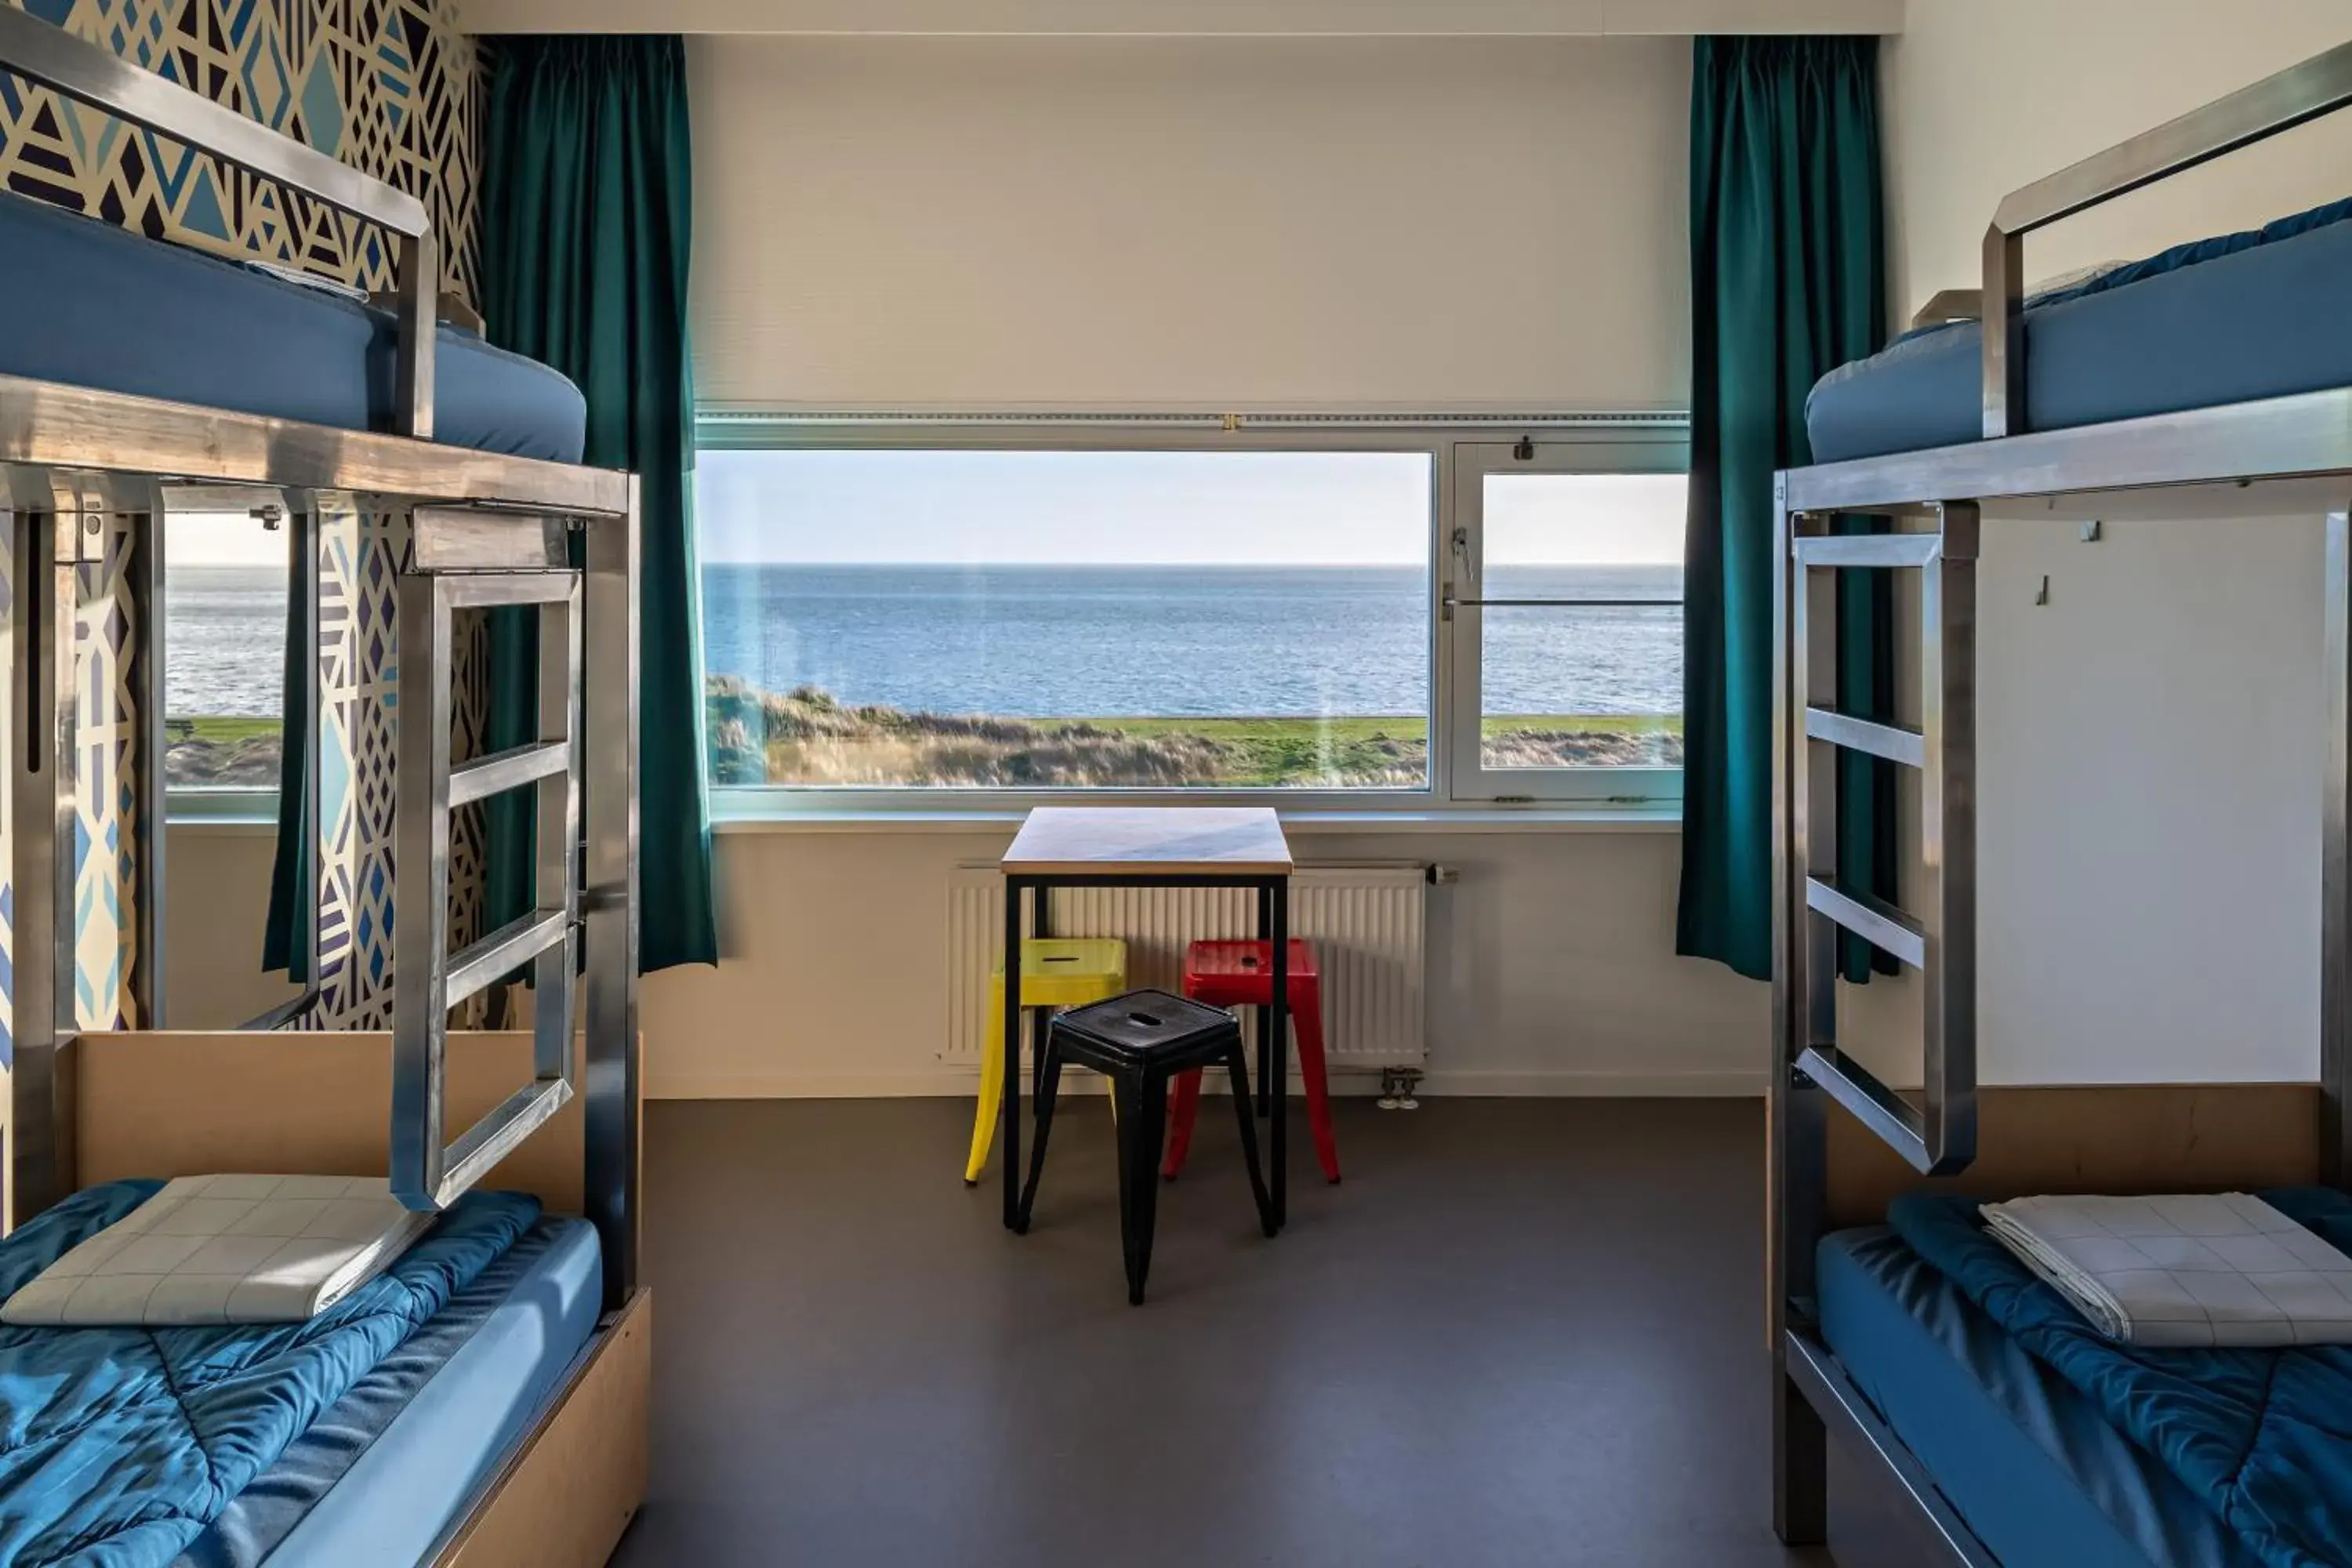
x=1788, y=282
x=587, y=225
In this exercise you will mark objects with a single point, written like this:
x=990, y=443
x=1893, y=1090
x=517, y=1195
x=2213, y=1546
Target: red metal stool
x=1241, y=974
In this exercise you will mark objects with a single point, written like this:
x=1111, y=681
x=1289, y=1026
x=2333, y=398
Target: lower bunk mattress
x=2062, y=1451
x=359, y=1439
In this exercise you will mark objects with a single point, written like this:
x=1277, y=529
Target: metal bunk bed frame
x=2303, y=437
x=487, y=529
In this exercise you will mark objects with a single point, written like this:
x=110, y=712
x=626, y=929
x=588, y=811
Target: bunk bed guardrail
x=83, y=71
x=2301, y=93
x=489, y=528
x=2299, y=436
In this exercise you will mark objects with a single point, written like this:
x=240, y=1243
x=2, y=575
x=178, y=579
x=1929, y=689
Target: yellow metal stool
x=1056, y=972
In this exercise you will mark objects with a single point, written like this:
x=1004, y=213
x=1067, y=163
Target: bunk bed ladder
x=1938, y=1136
x=471, y=558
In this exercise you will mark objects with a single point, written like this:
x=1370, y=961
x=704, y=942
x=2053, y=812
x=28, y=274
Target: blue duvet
x=2264, y=1437
x=119, y=1446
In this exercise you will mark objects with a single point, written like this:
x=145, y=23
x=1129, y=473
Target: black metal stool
x=1140, y=1041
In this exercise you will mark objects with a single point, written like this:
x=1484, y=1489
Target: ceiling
x=1186, y=18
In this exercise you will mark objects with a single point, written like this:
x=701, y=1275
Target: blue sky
x=1153, y=508
x=1337, y=508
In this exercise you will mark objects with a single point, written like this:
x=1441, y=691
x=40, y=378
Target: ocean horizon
x=1054, y=642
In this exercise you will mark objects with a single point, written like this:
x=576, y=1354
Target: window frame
x=1463, y=623
x=1604, y=441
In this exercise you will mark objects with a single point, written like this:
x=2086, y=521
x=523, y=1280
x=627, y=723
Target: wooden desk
x=1141, y=847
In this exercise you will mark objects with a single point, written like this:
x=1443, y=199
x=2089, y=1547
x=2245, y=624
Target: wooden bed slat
x=185, y=1104
x=2124, y=1139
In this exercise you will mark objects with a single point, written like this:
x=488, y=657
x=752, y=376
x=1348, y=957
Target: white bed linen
x=225, y=1249
x=2205, y=1269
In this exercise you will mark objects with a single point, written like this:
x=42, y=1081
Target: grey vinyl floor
x=1522, y=1332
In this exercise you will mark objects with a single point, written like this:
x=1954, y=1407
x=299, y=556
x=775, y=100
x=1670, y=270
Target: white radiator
x=1367, y=923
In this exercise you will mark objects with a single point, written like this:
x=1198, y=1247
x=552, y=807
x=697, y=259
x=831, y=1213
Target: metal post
x=558, y=821
x=2335, y=865
x=1947, y=829
x=42, y=855
x=609, y=1071
x=148, y=972
x=420, y=315
x=2003, y=328
x=420, y=975
x=1795, y=1174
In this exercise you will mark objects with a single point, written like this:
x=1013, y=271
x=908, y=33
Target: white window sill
x=1359, y=820
x=258, y=818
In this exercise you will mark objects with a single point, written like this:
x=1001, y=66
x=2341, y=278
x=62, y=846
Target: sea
x=1079, y=641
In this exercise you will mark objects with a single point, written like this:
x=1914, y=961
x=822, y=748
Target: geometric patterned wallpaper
x=388, y=86
x=391, y=88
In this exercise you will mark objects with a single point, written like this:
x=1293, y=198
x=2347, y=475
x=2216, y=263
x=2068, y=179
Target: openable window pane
x=225, y=601
x=1583, y=667
x=1066, y=620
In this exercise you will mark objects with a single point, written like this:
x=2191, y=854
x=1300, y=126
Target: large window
x=900, y=619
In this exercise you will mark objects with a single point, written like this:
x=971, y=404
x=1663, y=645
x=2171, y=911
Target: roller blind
x=1079, y=223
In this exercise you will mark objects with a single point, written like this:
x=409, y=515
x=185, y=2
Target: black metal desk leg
x=1011, y=1131
x=1265, y=1088
x=1041, y=925
x=1277, y=1081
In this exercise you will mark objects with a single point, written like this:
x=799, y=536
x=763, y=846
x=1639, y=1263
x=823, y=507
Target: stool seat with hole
x=1140, y=1041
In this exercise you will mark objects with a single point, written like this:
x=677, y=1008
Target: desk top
x=1158, y=840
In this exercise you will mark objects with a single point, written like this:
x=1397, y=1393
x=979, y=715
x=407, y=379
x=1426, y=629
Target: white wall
x=1551, y=969
x=1982, y=97
x=2151, y=737
x=216, y=899
x=1235, y=224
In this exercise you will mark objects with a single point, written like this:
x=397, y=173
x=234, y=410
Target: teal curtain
x=587, y=224
x=293, y=900
x=1787, y=282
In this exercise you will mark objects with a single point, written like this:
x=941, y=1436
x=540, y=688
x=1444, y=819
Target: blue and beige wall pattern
x=389, y=86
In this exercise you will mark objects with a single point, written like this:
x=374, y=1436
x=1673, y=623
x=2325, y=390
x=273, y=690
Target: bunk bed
x=2175, y=386
x=489, y=1406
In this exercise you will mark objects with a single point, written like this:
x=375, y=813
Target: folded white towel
x=2218, y=1269
x=225, y=1249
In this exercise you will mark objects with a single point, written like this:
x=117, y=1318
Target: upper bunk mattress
x=2228, y=320
x=92, y=305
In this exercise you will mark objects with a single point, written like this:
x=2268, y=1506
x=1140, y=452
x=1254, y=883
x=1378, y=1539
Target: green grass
x=219, y=728
x=1340, y=731
x=1291, y=751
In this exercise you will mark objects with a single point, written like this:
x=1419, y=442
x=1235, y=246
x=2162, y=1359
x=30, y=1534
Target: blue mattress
x=2229, y=320
x=379, y=1477
x=86, y=303
x=2030, y=1464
